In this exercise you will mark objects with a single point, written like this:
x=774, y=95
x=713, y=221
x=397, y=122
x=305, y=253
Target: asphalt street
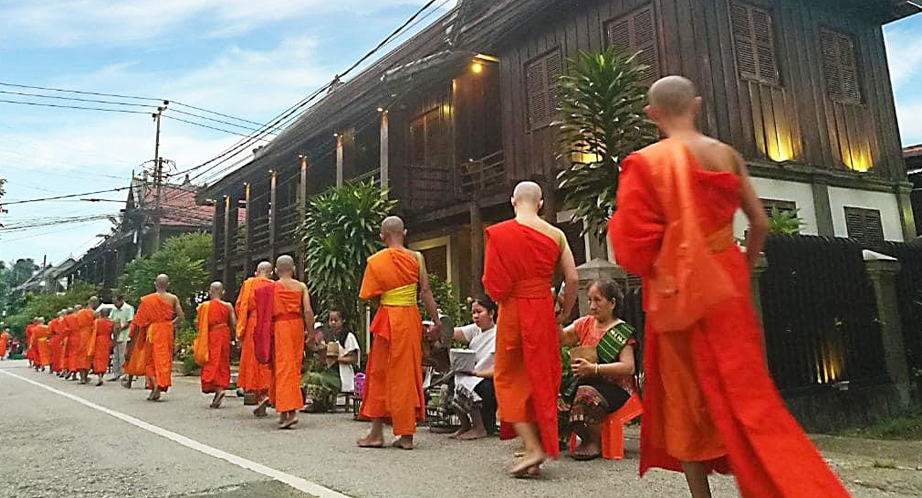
x=82, y=441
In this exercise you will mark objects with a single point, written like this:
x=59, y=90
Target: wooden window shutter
x=541, y=78
x=754, y=36
x=864, y=225
x=636, y=32
x=840, y=67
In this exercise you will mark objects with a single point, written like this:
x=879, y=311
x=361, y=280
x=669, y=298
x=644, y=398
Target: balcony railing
x=429, y=187
x=288, y=220
x=487, y=173
x=373, y=175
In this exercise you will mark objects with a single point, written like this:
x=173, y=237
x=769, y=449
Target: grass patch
x=906, y=428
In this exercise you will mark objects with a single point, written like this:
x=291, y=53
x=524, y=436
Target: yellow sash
x=401, y=296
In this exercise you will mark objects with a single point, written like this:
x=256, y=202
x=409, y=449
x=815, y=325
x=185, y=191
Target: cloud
x=904, y=56
x=73, y=23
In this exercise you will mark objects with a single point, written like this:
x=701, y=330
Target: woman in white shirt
x=338, y=376
x=474, y=398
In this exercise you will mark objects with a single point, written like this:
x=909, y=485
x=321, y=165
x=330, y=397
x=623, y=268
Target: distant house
x=913, y=156
x=452, y=118
x=133, y=234
x=50, y=279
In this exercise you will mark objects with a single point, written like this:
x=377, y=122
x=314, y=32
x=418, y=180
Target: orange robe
x=56, y=344
x=71, y=340
x=84, y=334
x=708, y=396
x=100, y=345
x=394, y=374
x=137, y=352
x=155, y=316
x=518, y=266
x=41, y=351
x=30, y=346
x=4, y=339
x=287, y=346
x=213, y=317
x=252, y=376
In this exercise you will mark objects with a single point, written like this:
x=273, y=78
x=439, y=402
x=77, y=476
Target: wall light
x=476, y=67
x=859, y=162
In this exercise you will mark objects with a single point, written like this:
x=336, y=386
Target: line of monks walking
x=709, y=403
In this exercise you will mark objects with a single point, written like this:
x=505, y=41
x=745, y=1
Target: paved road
x=81, y=441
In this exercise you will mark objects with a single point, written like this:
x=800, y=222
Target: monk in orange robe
x=394, y=382
x=41, y=351
x=100, y=345
x=155, y=318
x=252, y=376
x=84, y=318
x=4, y=340
x=55, y=343
x=520, y=259
x=215, y=319
x=70, y=343
x=709, y=402
x=30, y=347
x=284, y=316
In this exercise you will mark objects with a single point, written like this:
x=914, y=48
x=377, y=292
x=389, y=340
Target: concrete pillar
x=302, y=213
x=273, y=215
x=248, y=266
x=384, y=166
x=907, y=217
x=882, y=271
x=821, y=205
x=340, y=159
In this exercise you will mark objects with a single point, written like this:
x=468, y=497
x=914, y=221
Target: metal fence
x=820, y=313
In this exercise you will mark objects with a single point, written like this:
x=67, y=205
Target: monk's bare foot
x=154, y=395
x=99, y=383
x=528, y=466
x=457, y=433
x=370, y=441
x=218, y=398
x=473, y=434
x=404, y=443
x=292, y=420
x=260, y=410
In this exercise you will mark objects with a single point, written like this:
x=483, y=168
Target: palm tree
x=602, y=121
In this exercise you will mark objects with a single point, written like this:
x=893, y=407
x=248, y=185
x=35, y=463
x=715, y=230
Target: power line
x=216, y=113
x=75, y=99
x=42, y=104
x=248, y=128
x=100, y=94
x=68, y=196
x=181, y=120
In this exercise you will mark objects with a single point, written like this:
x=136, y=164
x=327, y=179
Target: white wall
x=886, y=203
x=780, y=190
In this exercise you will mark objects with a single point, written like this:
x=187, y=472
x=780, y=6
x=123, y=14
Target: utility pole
x=158, y=177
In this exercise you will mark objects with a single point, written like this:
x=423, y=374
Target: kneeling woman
x=474, y=399
x=596, y=388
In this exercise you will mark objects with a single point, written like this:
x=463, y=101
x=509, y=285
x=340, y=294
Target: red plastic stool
x=613, y=429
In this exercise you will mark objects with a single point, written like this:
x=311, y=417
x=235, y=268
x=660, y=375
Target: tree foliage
x=602, y=121
x=12, y=277
x=184, y=259
x=785, y=221
x=447, y=301
x=341, y=230
x=48, y=305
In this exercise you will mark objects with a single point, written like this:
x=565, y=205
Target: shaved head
x=69, y=311
x=78, y=307
x=216, y=290
x=285, y=265
x=105, y=312
x=264, y=269
x=162, y=281
x=527, y=193
x=672, y=96
x=392, y=225
x=93, y=301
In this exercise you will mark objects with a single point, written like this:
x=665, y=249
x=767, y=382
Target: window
x=864, y=225
x=436, y=259
x=633, y=33
x=782, y=207
x=754, y=35
x=840, y=67
x=574, y=233
x=541, y=77
x=427, y=139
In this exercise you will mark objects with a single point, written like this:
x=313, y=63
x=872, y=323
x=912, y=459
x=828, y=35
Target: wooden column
x=302, y=215
x=273, y=211
x=477, y=248
x=385, y=155
x=248, y=265
x=227, y=274
x=339, y=159
x=217, y=225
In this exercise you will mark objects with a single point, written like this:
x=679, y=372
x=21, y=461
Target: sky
x=246, y=59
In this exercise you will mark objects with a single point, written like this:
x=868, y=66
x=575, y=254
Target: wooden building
x=451, y=119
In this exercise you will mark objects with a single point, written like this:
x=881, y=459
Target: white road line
x=293, y=481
